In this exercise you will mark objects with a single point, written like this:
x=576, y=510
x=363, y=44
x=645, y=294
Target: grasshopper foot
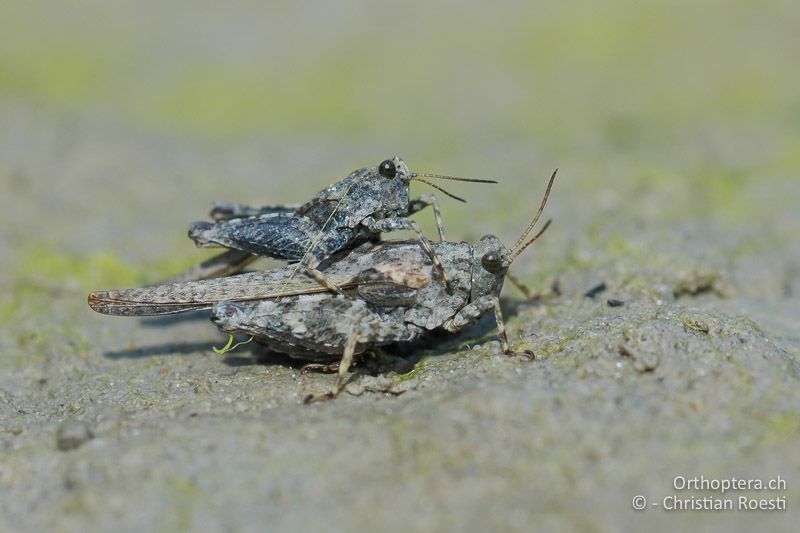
x=341, y=379
x=527, y=354
x=448, y=288
x=325, y=368
x=311, y=398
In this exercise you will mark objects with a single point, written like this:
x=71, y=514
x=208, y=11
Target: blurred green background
x=564, y=74
x=509, y=90
x=120, y=122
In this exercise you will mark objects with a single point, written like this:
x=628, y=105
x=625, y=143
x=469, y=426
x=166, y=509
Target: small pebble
x=594, y=291
x=615, y=303
x=71, y=434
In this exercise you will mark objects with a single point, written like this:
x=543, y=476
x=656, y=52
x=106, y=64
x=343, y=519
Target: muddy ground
x=680, y=196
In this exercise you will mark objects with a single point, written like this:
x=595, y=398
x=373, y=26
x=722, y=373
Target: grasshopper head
x=390, y=185
x=492, y=260
x=394, y=168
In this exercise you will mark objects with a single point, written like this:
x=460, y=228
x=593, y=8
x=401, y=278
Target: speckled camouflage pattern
x=347, y=213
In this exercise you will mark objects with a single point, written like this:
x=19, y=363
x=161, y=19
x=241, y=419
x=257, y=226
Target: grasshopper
x=352, y=211
x=393, y=296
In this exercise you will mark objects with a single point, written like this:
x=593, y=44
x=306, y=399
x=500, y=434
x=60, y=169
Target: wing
x=279, y=235
x=389, y=274
x=195, y=295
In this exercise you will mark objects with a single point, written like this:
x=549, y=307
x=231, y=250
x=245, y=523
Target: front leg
x=397, y=224
x=530, y=295
x=418, y=204
x=470, y=314
x=515, y=281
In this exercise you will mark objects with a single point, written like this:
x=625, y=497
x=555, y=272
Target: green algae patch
x=784, y=424
x=230, y=346
x=231, y=101
x=414, y=372
x=42, y=274
x=694, y=324
x=182, y=495
x=49, y=266
x=58, y=74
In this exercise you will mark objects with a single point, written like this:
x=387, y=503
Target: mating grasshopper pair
x=348, y=300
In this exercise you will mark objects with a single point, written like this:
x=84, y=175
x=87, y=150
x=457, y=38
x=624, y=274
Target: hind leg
x=225, y=264
x=341, y=376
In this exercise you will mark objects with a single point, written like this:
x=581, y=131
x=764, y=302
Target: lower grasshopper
x=393, y=297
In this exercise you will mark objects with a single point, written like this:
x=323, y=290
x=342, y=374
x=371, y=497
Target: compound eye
x=387, y=169
x=491, y=262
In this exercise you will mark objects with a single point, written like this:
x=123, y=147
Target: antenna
x=535, y=219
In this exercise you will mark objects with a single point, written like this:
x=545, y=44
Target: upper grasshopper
x=395, y=298
x=349, y=212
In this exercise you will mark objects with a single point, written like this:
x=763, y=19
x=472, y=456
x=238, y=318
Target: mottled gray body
x=348, y=213
x=359, y=272
x=316, y=327
x=398, y=299
x=393, y=296
x=341, y=216
x=476, y=272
